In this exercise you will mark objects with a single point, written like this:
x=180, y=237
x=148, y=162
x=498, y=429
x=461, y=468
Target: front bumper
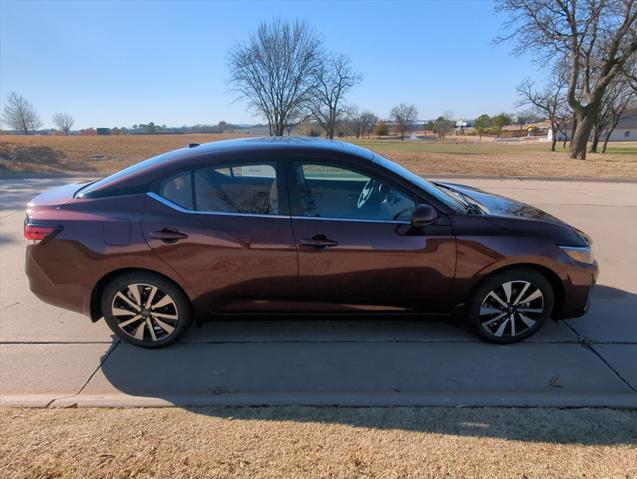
x=578, y=290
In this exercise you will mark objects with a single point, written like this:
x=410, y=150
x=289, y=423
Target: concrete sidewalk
x=51, y=357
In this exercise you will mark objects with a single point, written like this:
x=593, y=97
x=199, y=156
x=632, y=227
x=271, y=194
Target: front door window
x=327, y=191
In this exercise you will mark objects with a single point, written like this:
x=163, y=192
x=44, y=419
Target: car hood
x=501, y=211
x=501, y=206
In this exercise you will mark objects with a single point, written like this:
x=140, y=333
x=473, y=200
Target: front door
x=357, y=249
x=224, y=230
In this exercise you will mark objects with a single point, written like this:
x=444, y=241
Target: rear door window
x=250, y=188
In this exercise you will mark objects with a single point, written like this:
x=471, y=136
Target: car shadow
x=302, y=364
x=587, y=426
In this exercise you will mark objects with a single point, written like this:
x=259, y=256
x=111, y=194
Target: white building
x=626, y=129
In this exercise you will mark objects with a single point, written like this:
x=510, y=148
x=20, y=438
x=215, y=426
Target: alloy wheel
x=511, y=309
x=144, y=312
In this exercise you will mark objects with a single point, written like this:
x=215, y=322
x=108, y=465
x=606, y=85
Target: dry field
x=465, y=156
x=102, y=154
x=318, y=442
x=461, y=155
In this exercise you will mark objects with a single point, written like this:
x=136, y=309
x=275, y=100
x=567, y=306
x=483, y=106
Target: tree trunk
x=596, y=135
x=606, y=141
x=585, y=123
x=553, y=135
x=553, y=140
x=279, y=129
x=570, y=143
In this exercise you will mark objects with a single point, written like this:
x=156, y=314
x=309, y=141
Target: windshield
x=449, y=200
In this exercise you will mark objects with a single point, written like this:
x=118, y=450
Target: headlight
x=583, y=254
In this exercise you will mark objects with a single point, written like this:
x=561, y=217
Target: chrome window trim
x=181, y=209
x=356, y=220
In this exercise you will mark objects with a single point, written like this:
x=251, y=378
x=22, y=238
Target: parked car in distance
x=295, y=225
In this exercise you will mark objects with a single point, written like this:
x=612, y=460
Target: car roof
x=147, y=169
x=280, y=142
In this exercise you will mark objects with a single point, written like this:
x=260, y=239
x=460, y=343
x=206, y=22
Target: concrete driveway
x=51, y=357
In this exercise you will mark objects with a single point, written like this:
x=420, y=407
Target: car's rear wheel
x=511, y=305
x=146, y=309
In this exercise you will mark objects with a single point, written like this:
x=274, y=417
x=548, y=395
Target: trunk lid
x=56, y=196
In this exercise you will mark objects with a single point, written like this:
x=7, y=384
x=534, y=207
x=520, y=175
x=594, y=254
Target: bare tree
x=404, y=116
x=595, y=38
x=20, y=115
x=351, y=124
x=359, y=123
x=368, y=123
x=619, y=98
x=64, y=122
x=550, y=102
x=334, y=78
x=276, y=71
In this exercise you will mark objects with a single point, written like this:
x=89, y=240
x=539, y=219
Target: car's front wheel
x=145, y=309
x=511, y=305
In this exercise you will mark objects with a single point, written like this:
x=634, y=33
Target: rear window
x=98, y=185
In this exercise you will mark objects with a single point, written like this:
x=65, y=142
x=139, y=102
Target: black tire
x=505, y=324
x=156, y=326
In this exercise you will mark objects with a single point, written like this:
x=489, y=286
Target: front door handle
x=168, y=235
x=318, y=242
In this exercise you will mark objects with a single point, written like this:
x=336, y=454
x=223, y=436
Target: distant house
x=462, y=125
x=626, y=129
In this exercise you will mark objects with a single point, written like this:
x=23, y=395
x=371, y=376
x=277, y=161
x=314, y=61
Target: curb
x=530, y=400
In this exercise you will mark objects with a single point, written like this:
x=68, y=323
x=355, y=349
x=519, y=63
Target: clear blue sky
x=120, y=63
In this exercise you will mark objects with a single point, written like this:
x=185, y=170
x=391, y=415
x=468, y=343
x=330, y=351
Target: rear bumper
x=74, y=297
x=577, y=291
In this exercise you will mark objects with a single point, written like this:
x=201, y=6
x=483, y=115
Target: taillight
x=40, y=232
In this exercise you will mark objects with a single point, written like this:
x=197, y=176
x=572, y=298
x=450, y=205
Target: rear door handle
x=318, y=242
x=168, y=235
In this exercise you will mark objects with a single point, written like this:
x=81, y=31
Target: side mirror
x=423, y=215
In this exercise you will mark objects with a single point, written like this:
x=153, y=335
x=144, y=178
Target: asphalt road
x=52, y=357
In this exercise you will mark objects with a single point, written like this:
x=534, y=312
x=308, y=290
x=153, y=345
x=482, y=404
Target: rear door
x=357, y=249
x=224, y=230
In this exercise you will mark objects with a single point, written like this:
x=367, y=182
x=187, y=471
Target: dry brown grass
x=464, y=156
x=317, y=442
x=106, y=154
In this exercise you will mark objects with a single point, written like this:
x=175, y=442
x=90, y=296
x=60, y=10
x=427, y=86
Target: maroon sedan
x=290, y=225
